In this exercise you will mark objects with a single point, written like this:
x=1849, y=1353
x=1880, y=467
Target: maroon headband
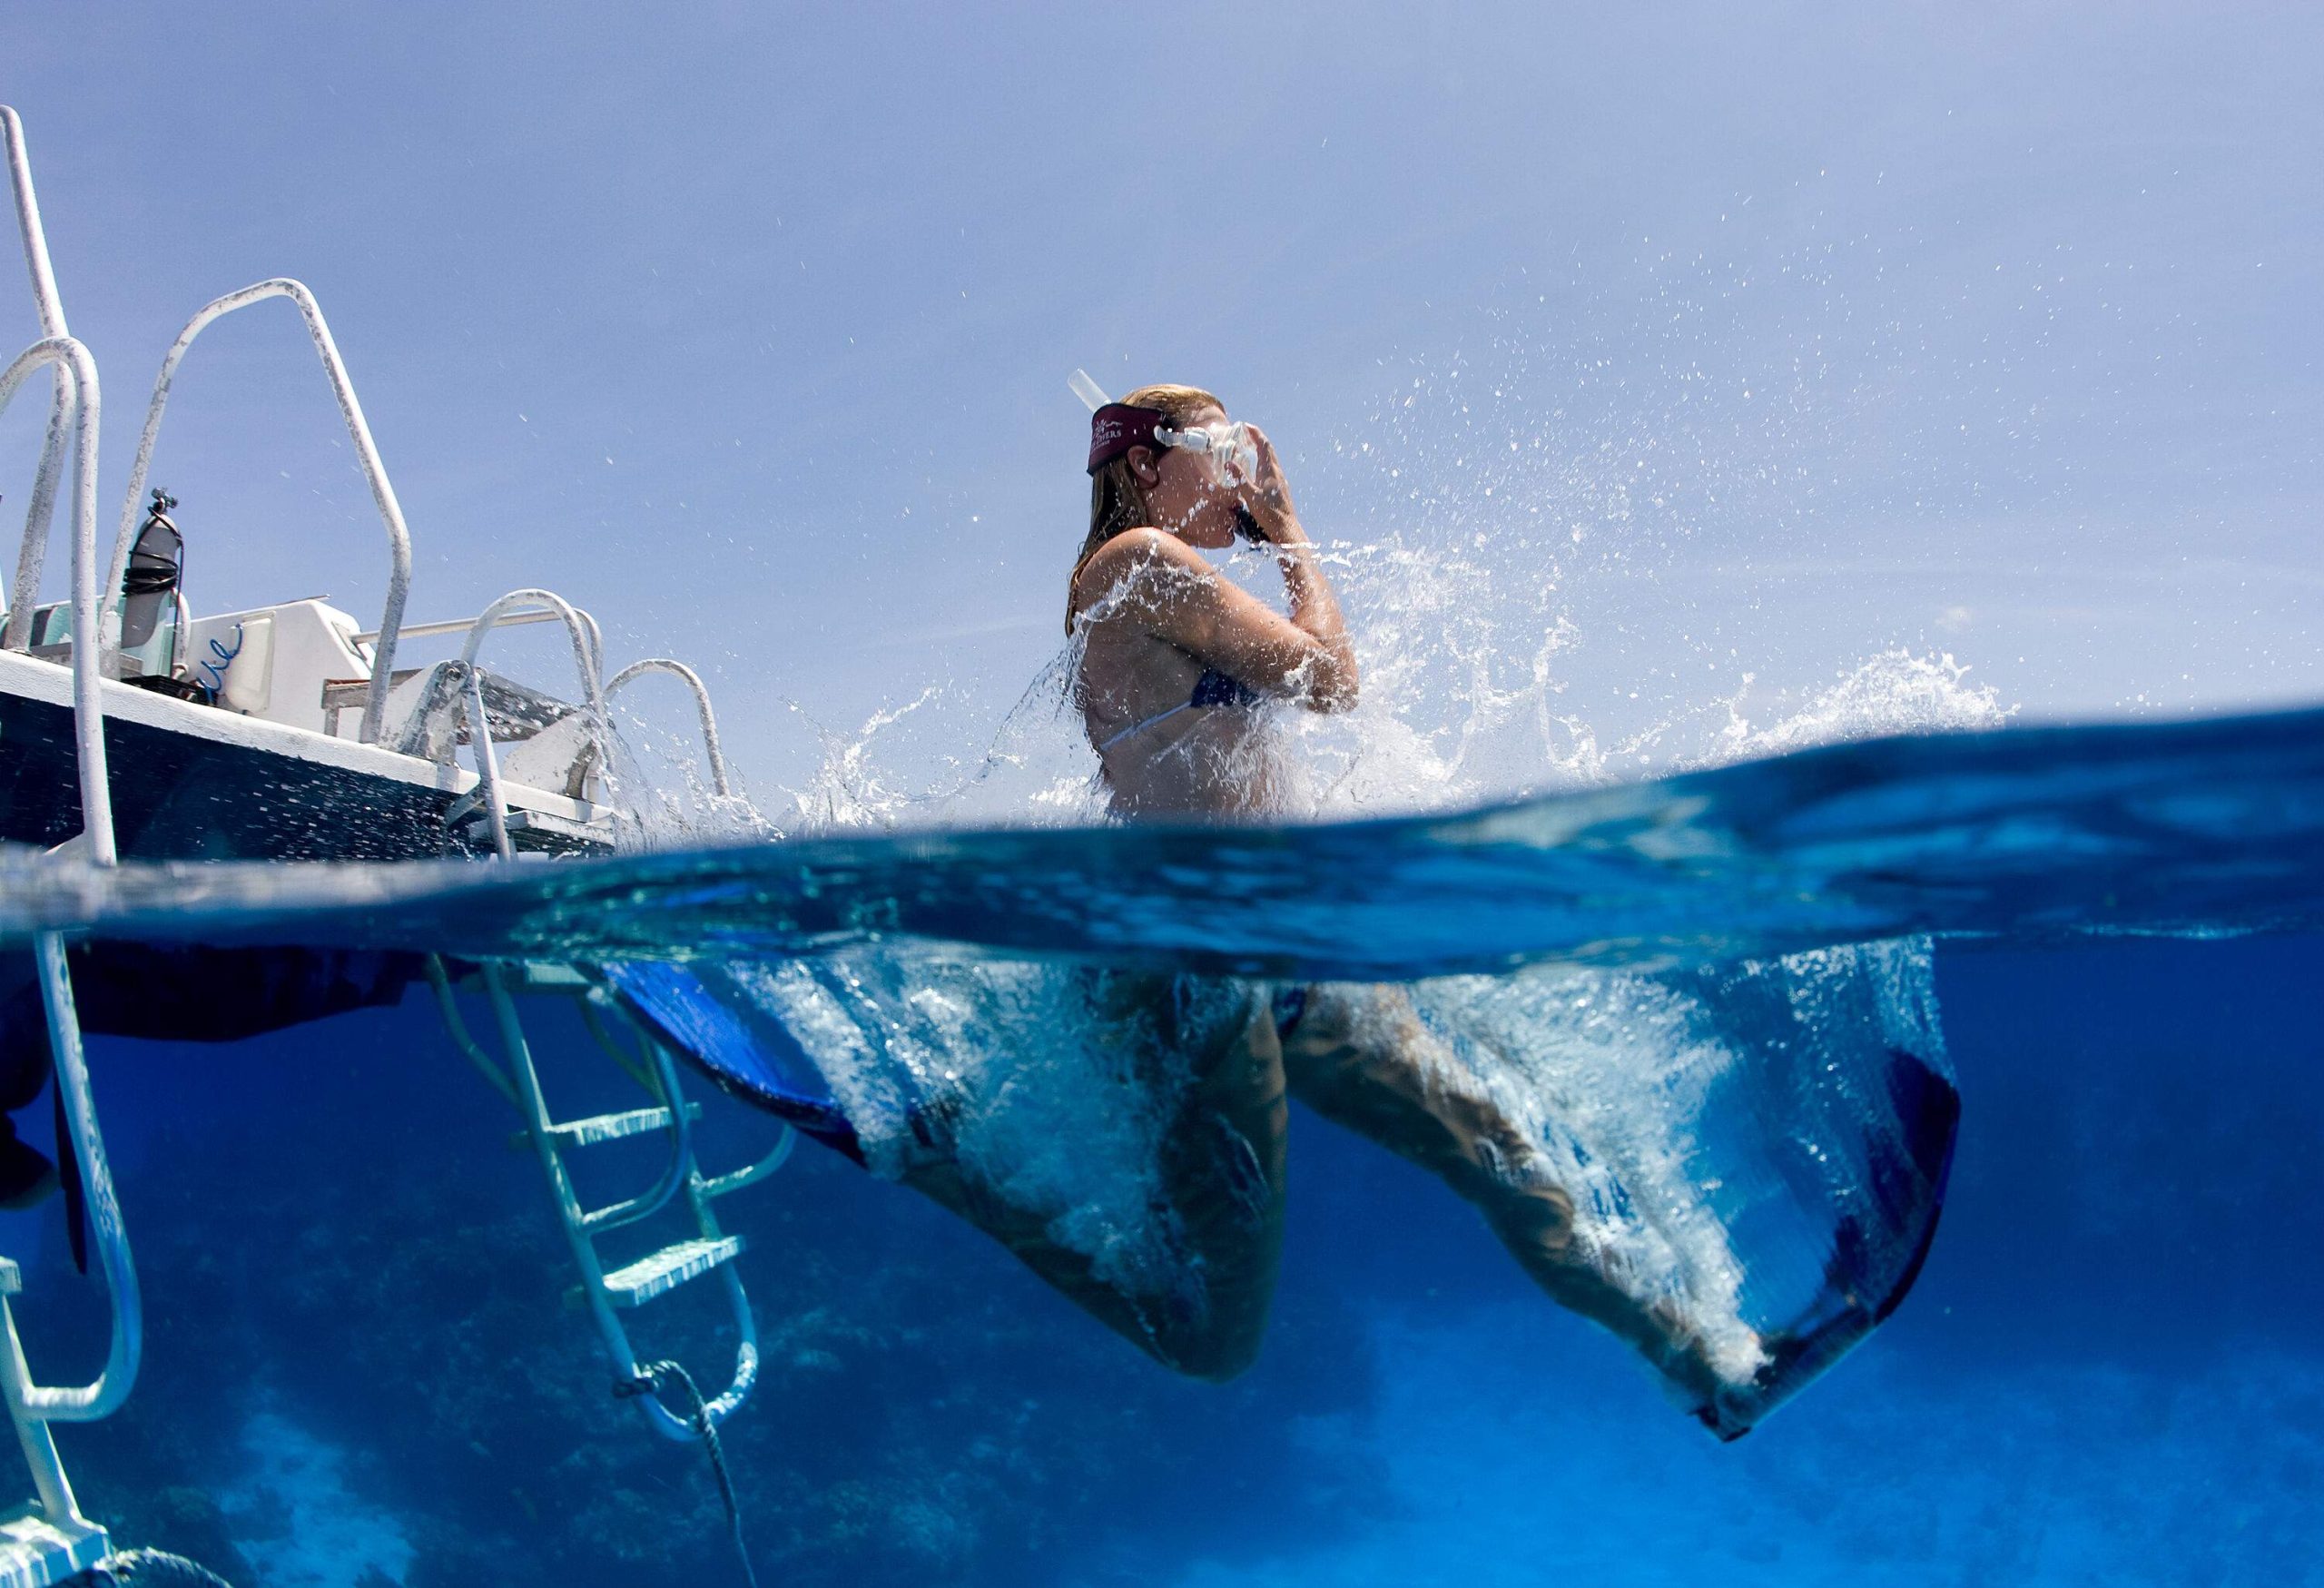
x=1118, y=427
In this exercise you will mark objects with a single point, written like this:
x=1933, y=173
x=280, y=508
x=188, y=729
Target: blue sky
x=1987, y=330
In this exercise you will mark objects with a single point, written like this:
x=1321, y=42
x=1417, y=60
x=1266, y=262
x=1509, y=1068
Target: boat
x=132, y=727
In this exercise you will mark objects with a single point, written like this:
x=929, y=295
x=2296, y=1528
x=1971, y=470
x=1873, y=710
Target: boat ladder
x=608, y=1293
x=47, y=1540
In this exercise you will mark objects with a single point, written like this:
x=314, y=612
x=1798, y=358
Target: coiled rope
x=649, y=1381
x=152, y=1566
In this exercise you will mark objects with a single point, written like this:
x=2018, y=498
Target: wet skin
x=1151, y=613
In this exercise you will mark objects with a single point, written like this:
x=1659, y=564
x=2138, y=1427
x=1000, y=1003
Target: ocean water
x=360, y=1369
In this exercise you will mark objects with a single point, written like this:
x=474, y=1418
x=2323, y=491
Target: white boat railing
x=76, y=374
x=86, y=1402
x=462, y=625
x=588, y=661
x=76, y=405
x=693, y=681
x=38, y=516
x=488, y=767
x=383, y=652
x=534, y=607
x=20, y=180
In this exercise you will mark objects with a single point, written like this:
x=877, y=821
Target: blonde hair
x=1116, y=501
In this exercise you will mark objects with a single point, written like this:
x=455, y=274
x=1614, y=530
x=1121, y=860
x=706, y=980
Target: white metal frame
x=104, y=1395
x=588, y=661
x=532, y=606
x=51, y=1540
x=693, y=681
x=76, y=375
x=359, y=431
x=709, y=1249
x=61, y=400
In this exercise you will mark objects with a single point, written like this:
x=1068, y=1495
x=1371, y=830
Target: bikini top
x=1217, y=688
x=1213, y=688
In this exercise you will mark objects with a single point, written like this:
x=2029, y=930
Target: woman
x=1173, y=659
x=1177, y=668
x=1176, y=673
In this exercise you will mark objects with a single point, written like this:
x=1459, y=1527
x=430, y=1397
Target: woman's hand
x=1328, y=674
x=1266, y=498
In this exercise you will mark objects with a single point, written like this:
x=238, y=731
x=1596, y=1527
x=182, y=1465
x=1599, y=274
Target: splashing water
x=1516, y=539
x=1463, y=627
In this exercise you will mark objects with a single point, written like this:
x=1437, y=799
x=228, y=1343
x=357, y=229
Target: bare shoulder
x=1137, y=547
x=1129, y=554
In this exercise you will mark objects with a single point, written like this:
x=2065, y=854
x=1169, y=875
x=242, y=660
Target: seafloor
x=360, y=1368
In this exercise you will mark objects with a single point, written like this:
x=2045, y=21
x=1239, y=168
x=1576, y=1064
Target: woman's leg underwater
x=1360, y=1057
x=1220, y=1172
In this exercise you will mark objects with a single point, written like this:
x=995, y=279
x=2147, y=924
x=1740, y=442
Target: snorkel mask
x=1117, y=426
x=1234, y=456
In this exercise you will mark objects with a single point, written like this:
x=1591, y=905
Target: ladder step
x=38, y=1552
x=545, y=975
x=670, y=1268
x=614, y=1126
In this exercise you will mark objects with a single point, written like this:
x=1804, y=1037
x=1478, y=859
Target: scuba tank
x=150, y=601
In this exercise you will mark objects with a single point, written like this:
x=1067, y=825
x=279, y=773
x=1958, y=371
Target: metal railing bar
x=39, y=514
x=595, y=1024
x=20, y=177
x=460, y=625
x=33, y=1437
x=76, y=369
x=367, y=452
x=458, y=1028
x=588, y=659
x=487, y=765
x=746, y=1327
x=693, y=680
x=726, y=1184
x=581, y=628
x=89, y=1402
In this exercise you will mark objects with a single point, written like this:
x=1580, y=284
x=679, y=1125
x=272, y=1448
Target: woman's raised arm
x=1165, y=585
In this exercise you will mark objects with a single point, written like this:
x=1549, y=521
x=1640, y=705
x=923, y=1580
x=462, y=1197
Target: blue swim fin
x=754, y=1059
x=1869, y=1272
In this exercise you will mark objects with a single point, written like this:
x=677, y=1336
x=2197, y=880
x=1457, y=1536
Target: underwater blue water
x=2109, y=1372
x=360, y=1369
